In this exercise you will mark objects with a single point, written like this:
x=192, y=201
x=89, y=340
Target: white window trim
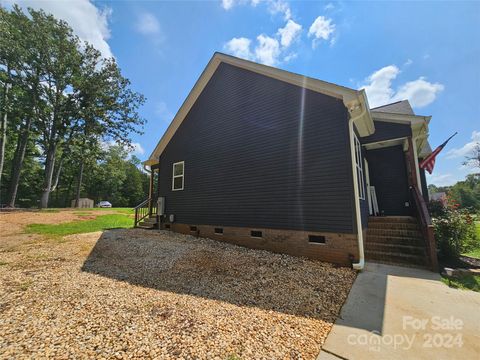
x=359, y=167
x=177, y=176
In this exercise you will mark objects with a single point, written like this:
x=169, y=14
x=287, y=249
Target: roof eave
x=351, y=98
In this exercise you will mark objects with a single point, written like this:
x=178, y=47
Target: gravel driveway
x=138, y=293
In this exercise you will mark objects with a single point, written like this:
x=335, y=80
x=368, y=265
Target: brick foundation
x=338, y=247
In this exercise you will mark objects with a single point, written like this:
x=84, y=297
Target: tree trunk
x=3, y=127
x=79, y=183
x=67, y=197
x=57, y=174
x=49, y=166
x=18, y=161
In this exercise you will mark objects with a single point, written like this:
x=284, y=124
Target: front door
x=387, y=170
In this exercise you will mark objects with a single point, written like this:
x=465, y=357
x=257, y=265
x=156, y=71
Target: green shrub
x=454, y=228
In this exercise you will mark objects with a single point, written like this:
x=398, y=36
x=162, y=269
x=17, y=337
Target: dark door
x=388, y=174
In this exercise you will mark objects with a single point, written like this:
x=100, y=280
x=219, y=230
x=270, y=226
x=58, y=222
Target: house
x=439, y=196
x=269, y=159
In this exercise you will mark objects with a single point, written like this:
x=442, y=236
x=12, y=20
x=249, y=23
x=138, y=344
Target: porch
x=399, y=227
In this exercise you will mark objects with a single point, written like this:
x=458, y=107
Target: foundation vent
x=316, y=239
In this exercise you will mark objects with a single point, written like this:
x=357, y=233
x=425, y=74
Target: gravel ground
x=138, y=293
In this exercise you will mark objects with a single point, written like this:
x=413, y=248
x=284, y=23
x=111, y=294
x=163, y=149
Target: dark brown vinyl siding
x=387, y=130
x=250, y=161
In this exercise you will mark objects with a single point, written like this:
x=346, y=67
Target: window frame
x=359, y=168
x=178, y=176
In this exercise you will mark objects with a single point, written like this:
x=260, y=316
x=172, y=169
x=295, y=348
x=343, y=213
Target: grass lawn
x=468, y=282
x=475, y=252
x=119, y=210
x=102, y=222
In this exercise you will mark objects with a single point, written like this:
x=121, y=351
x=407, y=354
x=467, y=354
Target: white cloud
x=268, y=50
x=87, y=21
x=441, y=179
x=379, y=89
x=228, y=4
x=137, y=149
x=329, y=6
x=408, y=62
x=274, y=6
x=321, y=29
x=290, y=57
x=161, y=109
x=239, y=47
x=280, y=7
x=466, y=149
x=147, y=24
x=419, y=92
x=289, y=33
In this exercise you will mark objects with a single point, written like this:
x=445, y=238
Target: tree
x=62, y=101
x=108, y=108
x=473, y=159
x=12, y=53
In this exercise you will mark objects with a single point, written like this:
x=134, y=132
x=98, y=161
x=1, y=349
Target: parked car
x=104, y=204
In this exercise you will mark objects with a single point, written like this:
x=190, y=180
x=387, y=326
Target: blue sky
x=427, y=52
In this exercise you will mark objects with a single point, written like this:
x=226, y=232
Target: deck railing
x=426, y=226
x=145, y=209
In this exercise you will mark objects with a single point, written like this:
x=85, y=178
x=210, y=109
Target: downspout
x=361, y=261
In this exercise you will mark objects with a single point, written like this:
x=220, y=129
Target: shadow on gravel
x=220, y=271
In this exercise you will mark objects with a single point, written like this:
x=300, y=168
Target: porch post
x=412, y=163
x=417, y=169
x=150, y=188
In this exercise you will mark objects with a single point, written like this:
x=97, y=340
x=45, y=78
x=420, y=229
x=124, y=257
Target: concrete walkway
x=402, y=313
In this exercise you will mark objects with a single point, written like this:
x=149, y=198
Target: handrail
x=427, y=227
x=142, y=203
x=143, y=210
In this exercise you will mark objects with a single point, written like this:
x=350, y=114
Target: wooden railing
x=145, y=209
x=426, y=226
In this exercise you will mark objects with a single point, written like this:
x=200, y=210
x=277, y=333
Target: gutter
x=361, y=254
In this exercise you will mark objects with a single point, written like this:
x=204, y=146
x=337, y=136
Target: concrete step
x=395, y=248
x=397, y=240
x=395, y=258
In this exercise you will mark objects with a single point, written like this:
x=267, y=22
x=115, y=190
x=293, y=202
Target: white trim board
x=355, y=100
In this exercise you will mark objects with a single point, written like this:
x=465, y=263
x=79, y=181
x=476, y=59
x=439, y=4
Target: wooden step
x=395, y=233
x=398, y=240
x=147, y=224
x=393, y=225
x=392, y=219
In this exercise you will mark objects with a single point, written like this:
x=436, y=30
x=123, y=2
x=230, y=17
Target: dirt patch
x=12, y=223
x=138, y=293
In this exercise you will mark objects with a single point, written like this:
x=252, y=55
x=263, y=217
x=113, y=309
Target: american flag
x=429, y=162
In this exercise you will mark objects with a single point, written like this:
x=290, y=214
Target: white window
x=359, y=166
x=178, y=176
